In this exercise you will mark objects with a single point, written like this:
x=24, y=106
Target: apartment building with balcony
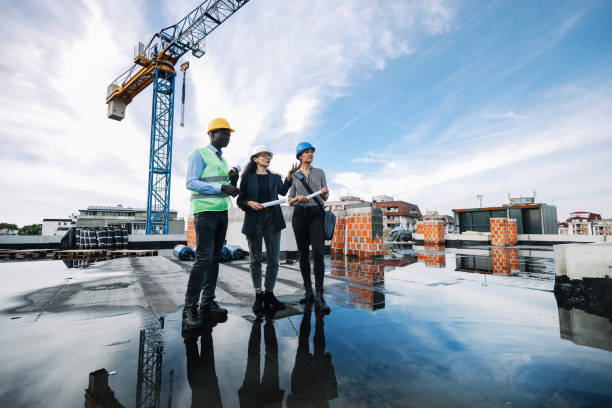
x=399, y=213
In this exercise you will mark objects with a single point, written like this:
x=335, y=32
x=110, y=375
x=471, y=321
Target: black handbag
x=329, y=221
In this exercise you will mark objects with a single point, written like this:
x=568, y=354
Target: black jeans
x=308, y=228
x=264, y=231
x=210, y=229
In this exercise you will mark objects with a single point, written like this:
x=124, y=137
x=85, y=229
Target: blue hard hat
x=301, y=147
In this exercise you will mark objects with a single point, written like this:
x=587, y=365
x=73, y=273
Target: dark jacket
x=248, y=192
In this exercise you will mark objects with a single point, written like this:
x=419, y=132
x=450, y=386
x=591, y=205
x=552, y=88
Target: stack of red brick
x=191, y=235
x=338, y=240
x=362, y=238
x=504, y=231
x=433, y=231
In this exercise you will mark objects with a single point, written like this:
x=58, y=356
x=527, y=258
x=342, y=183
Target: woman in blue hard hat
x=259, y=185
x=307, y=222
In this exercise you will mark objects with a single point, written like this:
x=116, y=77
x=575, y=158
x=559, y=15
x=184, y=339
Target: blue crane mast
x=154, y=64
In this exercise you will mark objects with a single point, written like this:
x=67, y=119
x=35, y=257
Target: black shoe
x=320, y=303
x=191, y=320
x=272, y=302
x=211, y=308
x=258, y=306
x=308, y=296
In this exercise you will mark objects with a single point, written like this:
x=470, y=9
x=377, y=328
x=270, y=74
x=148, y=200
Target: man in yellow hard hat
x=211, y=182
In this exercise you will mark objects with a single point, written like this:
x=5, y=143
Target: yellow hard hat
x=218, y=123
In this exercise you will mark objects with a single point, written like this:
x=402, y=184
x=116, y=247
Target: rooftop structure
x=531, y=218
x=346, y=202
x=381, y=198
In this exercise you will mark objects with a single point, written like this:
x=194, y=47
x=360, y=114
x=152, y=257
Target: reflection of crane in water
x=150, y=360
x=149, y=381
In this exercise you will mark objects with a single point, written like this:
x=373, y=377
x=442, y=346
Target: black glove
x=231, y=190
x=233, y=175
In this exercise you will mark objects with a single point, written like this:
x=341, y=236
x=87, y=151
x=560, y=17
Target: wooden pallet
x=126, y=253
x=25, y=253
x=80, y=254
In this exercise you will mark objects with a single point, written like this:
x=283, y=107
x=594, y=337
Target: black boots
x=308, y=296
x=211, y=308
x=258, y=306
x=320, y=303
x=271, y=302
x=191, y=320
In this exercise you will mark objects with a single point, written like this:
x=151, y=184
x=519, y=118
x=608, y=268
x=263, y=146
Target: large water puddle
x=426, y=327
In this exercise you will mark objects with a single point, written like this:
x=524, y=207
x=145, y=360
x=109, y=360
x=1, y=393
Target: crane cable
x=184, y=67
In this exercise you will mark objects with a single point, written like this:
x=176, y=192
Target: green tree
x=34, y=229
x=9, y=226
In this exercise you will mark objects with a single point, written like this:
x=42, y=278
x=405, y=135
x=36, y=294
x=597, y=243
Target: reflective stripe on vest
x=216, y=170
x=213, y=178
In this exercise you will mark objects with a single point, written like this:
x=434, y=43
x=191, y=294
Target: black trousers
x=210, y=229
x=309, y=231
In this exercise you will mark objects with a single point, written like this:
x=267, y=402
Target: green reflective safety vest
x=216, y=171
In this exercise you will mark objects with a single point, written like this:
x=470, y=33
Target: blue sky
x=430, y=102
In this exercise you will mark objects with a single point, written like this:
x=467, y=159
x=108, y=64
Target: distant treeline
x=34, y=229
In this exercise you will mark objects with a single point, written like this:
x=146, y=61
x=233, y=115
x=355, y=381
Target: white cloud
x=559, y=146
x=271, y=69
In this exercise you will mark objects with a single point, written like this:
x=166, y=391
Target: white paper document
x=316, y=193
x=275, y=202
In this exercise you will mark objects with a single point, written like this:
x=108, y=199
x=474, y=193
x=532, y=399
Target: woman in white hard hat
x=260, y=185
x=307, y=222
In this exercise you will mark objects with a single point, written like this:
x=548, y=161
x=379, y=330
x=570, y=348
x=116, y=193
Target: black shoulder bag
x=329, y=221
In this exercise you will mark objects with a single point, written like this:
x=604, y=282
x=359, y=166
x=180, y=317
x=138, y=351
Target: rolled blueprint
x=316, y=193
x=275, y=202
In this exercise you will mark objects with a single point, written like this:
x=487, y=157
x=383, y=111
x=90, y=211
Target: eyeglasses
x=266, y=155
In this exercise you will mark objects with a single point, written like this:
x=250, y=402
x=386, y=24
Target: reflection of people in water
x=313, y=380
x=201, y=372
x=266, y=393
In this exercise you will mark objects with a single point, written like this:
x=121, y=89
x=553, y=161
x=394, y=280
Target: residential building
x=602, y=227
x=8, y=231
x=585, y=223
x=531, y=217
x=134, y=219
x=399, y=213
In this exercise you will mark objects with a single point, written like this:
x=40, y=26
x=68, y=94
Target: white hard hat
x=260, y=149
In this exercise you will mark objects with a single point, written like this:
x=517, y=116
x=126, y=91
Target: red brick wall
x=361, y=241
x=433, y=231
x=338, y=240
x=191, y=235
x=512, y=232
x=504, y=231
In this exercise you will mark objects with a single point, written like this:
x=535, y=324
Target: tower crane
x=154, y=64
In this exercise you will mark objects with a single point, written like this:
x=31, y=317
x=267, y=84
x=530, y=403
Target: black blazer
x=248, y=192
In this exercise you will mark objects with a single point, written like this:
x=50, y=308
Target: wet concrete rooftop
x=436, y=329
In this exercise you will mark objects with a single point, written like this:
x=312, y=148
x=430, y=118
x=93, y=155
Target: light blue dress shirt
x=195, y=168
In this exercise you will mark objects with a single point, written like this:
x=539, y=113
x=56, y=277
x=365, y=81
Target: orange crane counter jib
x=143, y=78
